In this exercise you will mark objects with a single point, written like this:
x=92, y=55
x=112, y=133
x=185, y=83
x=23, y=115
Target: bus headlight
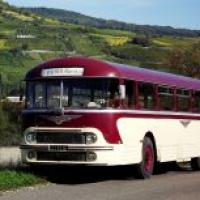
x=30, y=137
x=90, y=138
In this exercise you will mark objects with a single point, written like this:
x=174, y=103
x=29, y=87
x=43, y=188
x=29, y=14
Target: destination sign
x=62, y=72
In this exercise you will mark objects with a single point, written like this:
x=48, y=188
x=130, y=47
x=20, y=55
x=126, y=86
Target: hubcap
x=148, y=162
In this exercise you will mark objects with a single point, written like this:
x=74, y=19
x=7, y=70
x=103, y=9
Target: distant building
x=13, y=99
x=25, y=36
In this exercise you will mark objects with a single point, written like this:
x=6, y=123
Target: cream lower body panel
x=106, y=154
x=175, y=140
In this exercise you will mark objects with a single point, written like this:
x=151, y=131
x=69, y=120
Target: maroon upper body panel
x=98, y=68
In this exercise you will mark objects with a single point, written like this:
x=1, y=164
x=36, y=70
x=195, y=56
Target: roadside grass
x=16, y=178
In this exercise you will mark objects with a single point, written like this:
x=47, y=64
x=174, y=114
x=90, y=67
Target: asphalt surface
x=111, y=184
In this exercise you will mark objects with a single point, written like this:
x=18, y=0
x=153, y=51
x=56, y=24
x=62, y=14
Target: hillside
x=27, y=38
x=77, y=18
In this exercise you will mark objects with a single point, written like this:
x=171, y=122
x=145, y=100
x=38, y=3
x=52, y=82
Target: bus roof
x=98, y=68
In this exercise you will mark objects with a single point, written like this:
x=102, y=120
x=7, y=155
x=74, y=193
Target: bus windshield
x=72, y=93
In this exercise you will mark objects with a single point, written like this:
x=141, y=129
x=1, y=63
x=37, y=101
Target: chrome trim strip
x=172, y=113
x=68, y=147
x=49, y=129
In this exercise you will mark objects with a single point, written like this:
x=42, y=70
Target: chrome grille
x=61, y=138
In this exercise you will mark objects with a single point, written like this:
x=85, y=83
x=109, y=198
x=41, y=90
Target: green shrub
x=12, y=179
x=10, y=124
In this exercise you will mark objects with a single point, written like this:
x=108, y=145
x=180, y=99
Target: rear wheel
x=146, y=167
x=195, y=164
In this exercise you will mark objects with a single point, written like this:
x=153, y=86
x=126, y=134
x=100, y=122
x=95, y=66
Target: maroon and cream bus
x=82, y=111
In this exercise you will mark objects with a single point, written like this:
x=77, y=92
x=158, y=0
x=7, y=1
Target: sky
x=176, y=13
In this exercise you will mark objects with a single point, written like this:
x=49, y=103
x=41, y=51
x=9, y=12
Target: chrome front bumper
x=64, y=154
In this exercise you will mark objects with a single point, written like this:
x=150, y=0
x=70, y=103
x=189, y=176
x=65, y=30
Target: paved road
x=112, y=184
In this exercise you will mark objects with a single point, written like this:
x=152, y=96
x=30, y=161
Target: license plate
x=57, y=148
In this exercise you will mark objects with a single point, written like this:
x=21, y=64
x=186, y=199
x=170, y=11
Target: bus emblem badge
x=60, y=119
x=185, y=123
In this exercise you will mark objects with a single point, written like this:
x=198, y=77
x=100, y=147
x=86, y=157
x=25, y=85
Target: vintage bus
x=83, y=111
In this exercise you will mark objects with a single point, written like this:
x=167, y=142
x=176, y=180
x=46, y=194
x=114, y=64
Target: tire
x=146, y=167
x=159, y=168
x=195, y=164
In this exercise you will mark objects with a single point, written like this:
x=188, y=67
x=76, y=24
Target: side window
x=166, y=96
x=196, y=101
x=183, y=97
x=130, y=100
x=146, y=94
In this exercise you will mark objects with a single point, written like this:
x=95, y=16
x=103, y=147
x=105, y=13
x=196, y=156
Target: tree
x=142, y=40
x=192, y=61
x=186, y=62
x=24, y=46
x=176, y=60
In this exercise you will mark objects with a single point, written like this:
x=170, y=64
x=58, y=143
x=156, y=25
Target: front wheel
x=195, y=163
x=146, y=167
